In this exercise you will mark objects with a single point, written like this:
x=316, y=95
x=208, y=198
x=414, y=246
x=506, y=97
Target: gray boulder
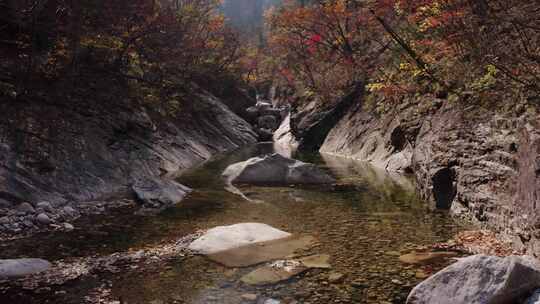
x=45, y=206
x=480, y=279
x=18, y=268
x=159, y=194
x=70, y=212
x=252, y=113
x=268, y=122
x=275, y=169
x=277, y=113
x=43, y=219
x=26, y=208
x=264, y=134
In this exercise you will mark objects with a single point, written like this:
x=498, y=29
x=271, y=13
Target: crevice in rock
x=398, y=140
x=513, y=148
x=444, y=189
x=408, y=170
x=312, y=137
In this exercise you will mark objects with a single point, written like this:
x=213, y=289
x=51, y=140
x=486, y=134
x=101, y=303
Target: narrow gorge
x=269, y=152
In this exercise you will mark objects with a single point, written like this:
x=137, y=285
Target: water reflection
x=348, y=168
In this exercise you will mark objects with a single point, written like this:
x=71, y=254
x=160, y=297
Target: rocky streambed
x=365, y=229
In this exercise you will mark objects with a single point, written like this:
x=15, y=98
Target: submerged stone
x=18, y=268
x=282, y=270
x=261, y=252
x=43, y=219
x=316, y=261
x=426, y=257
x=250, y=297
x=336, y=277
x=270, y=275
x=224, y=238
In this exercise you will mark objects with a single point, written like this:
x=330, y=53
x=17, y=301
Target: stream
x=364, y=227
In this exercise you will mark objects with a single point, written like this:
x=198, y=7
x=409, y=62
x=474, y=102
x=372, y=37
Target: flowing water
x=363, y=226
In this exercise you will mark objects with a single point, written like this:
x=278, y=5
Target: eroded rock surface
x=89, y=151
x=284, y=140
x=481, y=165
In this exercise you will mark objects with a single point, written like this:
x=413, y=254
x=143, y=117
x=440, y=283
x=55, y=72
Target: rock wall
x=311, y=122
x=85, y=151
x=477, y=163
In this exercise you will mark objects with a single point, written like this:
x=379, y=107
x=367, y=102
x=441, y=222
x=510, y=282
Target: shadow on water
x=361, y=225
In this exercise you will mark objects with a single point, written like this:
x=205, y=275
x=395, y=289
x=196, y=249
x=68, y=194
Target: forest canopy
x=317, y=48
x=401, y=47
x=157, y=45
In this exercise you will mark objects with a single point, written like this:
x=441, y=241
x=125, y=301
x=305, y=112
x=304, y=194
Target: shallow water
x=363, y=229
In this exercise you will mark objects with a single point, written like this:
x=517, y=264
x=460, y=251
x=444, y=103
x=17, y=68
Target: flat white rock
x=228, y=237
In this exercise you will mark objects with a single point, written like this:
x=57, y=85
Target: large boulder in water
x=275, y=169
x=223, y=238
x=18, y=268
x=480, y=279
x=268, y=122
x=158, y=194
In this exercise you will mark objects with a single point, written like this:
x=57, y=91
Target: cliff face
x=480, y=165
x=83, y=151
x=311, y=122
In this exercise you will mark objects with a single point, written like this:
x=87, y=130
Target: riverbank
x=60, y=161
